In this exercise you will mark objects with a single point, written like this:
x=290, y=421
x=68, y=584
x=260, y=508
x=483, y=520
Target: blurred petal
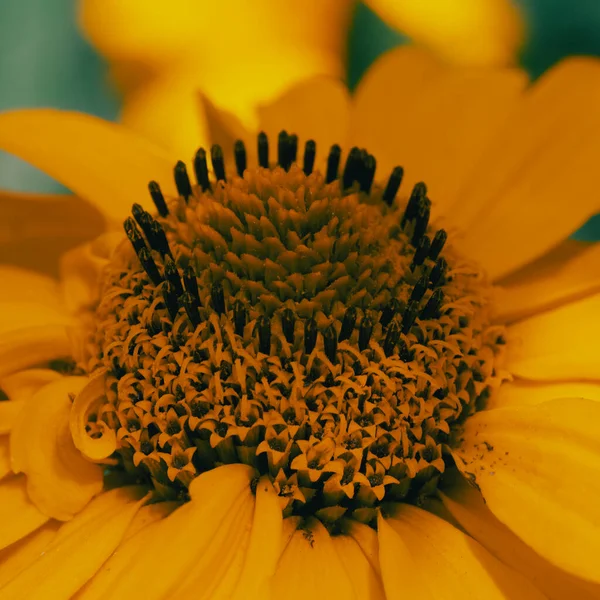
x=558, y=344
x=9, y=411
x=106, y=164
x=138, y=570
x=19, y=515
x=317, y=109
x=510, y=193
x=538, y=468
x=421, y=553
x=481, y=32
x=23, y=285
x=566, y=273
x=310, y=567
x=521, y=392
x=5, y=467
x=59, y=480
x=35, y=230
x=79, y=548
x=22, y=385
x=467, y=506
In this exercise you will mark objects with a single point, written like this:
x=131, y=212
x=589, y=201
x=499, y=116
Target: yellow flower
x=244, y=54
x=315, y=379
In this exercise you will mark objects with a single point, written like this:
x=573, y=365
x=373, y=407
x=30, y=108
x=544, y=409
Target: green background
x=45, y=62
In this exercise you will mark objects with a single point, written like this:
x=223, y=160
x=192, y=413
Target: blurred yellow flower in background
x=367, y=346
x=244, y=54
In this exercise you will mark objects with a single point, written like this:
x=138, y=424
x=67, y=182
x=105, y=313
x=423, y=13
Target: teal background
x=45, y=62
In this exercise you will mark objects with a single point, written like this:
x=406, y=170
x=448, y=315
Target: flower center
x=313, y=326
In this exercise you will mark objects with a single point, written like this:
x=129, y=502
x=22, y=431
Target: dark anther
x=284, y=150
x=439, y=240
x=352, y=168
x=418, y=192
x=310, y=335
x=419, y=289
x=348, y=324
x=264, y=334
x=421, y=220
x=149, y=265
x=239, y=317
x=158, y=199
x=403, y=351
x=391, y=339
x=393, y=185
x=217, y=297
x=135, y=237
x=364, y=333
x=158, y=238
x=171, y=301
x=191, y=284
x=330, y=343
x=182, y=181
x=333, y=163
x=191, y=308
x=388, y=312
x=201, y=169
x=432, y=308
x=288, y=320
x=263, y=150
x=292, y=149
x=218, y=162
x=421, y=252
x=144, y=220
x=368, y=173
x=310, y=152
x=409, y=316
x=436, y=277
x=239, y=152
x=172, y=275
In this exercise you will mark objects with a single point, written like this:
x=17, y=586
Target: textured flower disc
x=315, y=326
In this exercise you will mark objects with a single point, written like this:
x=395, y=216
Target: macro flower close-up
x=349, y=354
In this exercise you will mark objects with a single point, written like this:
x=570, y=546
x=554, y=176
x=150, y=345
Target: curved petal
x=310, y=567
x=538, y=468
x=5, y=467
x=19, y=515
x=448, y=121
x=467, y=506
x=545, y=155
x=36, y=230
x=79, y=548
x=480, y=32
x=421, y=553
x=59, y=480
x=184, y=536
x=22, y=385
x=102, y=162
x=317, y=109
x=24, y=285
x=520, y=392
x=566, y=273
x=9, y=412
x=31, y=333
x=558, y=344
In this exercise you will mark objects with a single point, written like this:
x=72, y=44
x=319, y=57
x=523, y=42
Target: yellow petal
x=22, y=385
x=366, y=538
x=263, y=550
x=467, y=506
x=510, y=195
x=566, y=273
x=59, y=480
x=558, y=344
x=317, y=109
x=137, y=569
x=538, y=468
x=436, y=556
x=79, y=548
x=31, y=333
x=21, y=554
x=481, y=32
x=106, y=164
x=89, y=399
x=521, y=392
x=24, y=285
x=9, y=411
x=80, y=270
x=309, y=567
x=37, y=229
x=5, y=467
x=365, y=580
x=148, y=514
x=19, y=515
